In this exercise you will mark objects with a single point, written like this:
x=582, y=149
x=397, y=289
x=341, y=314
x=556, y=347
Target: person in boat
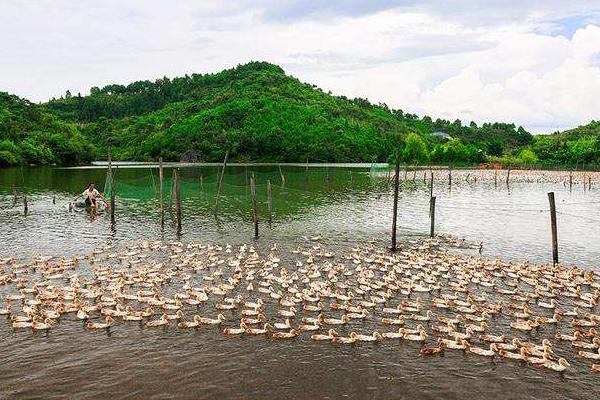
x=91, y=194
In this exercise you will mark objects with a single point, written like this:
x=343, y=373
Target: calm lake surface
x=345, y=207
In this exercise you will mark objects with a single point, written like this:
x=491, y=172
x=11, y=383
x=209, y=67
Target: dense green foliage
x=258, y=113
x=30, y=135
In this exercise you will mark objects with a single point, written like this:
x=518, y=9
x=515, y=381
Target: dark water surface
x=345, y=207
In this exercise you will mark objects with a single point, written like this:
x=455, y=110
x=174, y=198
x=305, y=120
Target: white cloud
x=504, y=60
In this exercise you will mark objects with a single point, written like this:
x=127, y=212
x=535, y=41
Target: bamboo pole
x=570, y=180
x=430, y=189
x=269, y=200
x=177, y=193
x=112, y=188
x=432, y=214
x=395, y=209
x=553, y=227
x=161, y=189
x=281, y=175
x=221, y=181
x=254, y=207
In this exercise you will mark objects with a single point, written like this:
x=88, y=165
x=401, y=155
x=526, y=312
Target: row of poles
x=432, y=199
x=176, y=195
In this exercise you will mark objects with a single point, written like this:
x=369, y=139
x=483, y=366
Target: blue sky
x=535, y=63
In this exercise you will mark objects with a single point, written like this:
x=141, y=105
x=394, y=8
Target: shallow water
x=70, y=362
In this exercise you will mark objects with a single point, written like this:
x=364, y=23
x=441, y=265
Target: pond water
x=346, y=207
x=343, y=205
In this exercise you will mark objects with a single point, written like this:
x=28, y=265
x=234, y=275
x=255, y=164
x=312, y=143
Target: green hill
x=31, y=135
x=572, y=147
x=261, y=114
x=255, y=111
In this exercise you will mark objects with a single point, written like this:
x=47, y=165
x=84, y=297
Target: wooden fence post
x=432, y=214
x=281, y=175
x=161, y=189
x=221, y=181
x=254, y=210
x=112, y=188
x=177, y=193
x=269, y=200
x=553, y=226
x=570, y=180
x=395, y=210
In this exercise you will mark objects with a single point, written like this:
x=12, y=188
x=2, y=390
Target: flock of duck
x=541, y=315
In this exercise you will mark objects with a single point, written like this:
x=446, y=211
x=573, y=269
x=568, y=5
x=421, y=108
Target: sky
x=532, y=62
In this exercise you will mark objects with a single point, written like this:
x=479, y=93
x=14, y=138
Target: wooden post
x=424, y=177
x=430, y=189
x=269, y=200
x=570, y=180
x=508, y=177
x=495, y=178
x=450, y=178
x=54, y=199
x=395, y=210
x=177, y=193
x=112, y=199
x=25, y=207
x=161, y=189
x=254, y=210
x=432, y=214
x=553, y=226
x=589, y=183
x=112, y=188
x=221, y=181
x=281, y=175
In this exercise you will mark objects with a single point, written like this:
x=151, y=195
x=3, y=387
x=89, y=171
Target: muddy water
x=344, y=209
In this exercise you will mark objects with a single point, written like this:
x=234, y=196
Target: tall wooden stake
x=430, y=190
x=432, y=214
x=495, y=178
x=553, y=226
x=508, y=177
x=25, y=207
x=281, y=175
x=395, y=210
x=570, y=181
x=221, y=181
x=161, y=189
x=269, y=200
x=112, y=188
x=177, y=193
x=254, y=207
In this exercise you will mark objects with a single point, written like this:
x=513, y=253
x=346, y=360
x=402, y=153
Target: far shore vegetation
x=258, y=113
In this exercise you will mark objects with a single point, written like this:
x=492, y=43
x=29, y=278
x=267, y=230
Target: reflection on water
x=345, y=207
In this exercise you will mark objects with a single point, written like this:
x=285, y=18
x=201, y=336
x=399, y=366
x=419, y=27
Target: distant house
x=442, y=135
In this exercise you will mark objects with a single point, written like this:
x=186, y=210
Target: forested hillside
x=259, y=113
x=30, y=135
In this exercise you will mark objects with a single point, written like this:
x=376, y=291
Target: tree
x=415, y=149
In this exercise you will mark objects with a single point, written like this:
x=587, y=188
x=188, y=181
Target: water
x=344, y=208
